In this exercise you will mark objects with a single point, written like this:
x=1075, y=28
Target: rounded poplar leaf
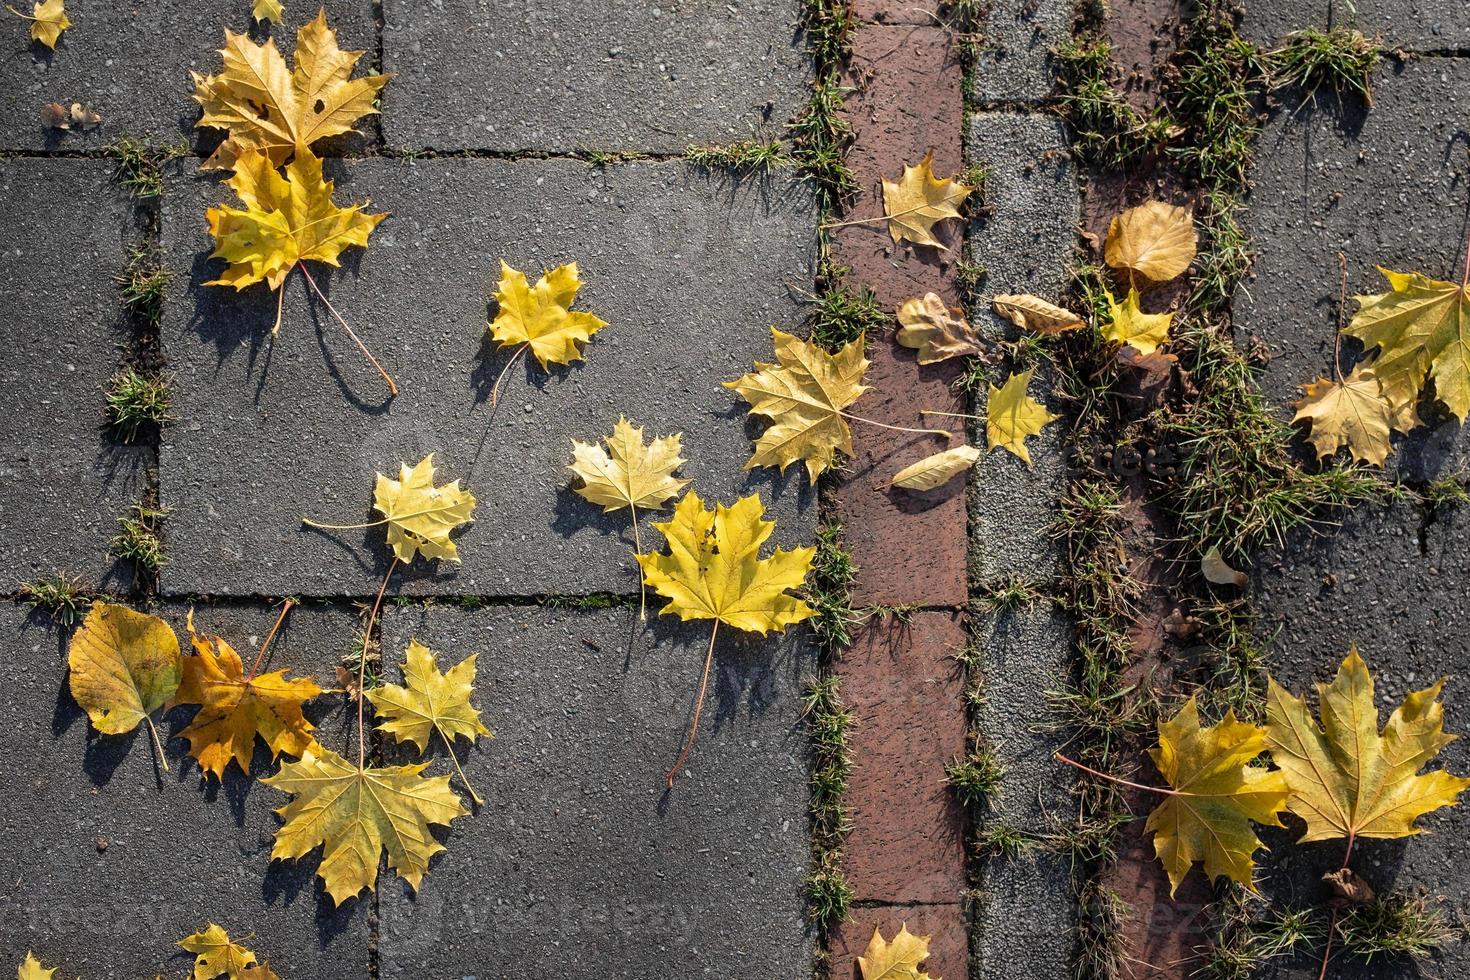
x=124, y=666
x=1155, y=240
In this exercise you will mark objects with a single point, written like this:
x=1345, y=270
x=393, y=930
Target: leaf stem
x=1341, y=305
x=280, y=307
x=495, y=389
x=392, y=388
x=1114, y=779
x=886, y=216
x=362, y=666
x=896, y=428
x=449, y=744
x=34, y=20
x=709, y=656
x=286, y=607
x=157, y=745
x=638, y=550
x=345, y=527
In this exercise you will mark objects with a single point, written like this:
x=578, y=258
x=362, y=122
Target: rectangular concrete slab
x=689, y=270
x=1412, y=25
x=562, y=76
x=109, y=860
x=63, y=480
x=1026, y=656
x=1025, y=918
x=580, y=865
x=1015, y=64
x=130, y=61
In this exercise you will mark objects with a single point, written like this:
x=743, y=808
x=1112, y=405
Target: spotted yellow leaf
x=124, y=666
x=918, y=200
x=1155, y=240
x=1012, y=416
x=1128, y=324
x=541, y=316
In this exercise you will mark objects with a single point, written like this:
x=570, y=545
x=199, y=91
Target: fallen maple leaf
x=898, y=960
x=1011, y=415
x=1155, y=240
x=1035, y=314
x=432, y=701
x=355, y=813
x=215, y=955
x=276, y=111
x=934, y=330
x=236, y=707
x=1216, y=795
x=268, y=10
x=1352, y=412
x=1422, y=327
x=1128, y=324
x=1346, y=779
x=803, y=394
x=541, y=316
x=124, y=666
x=419, y=515
x=714, y=571
x=918, y=200
x=936, y=470
x=32, y=969
x=48, y=19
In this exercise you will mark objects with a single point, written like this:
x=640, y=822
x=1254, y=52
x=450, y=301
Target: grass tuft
x=65, y=598
x=841, y=313
x=139, y=164
x=745, y=156
x=139, y=540
x=830, y=592
x=827, y=722
x=1107, y=131
x=136, y=402
x=1339, y=60
x=1395, y=925
x=975, y=778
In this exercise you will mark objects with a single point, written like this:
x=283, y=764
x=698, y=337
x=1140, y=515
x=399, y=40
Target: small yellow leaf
x=432, y=701
x=918, y=200
x=285, y=220
x=803, y=394
x=355, y=814
x=936, y=470
x=898, y=960
x=124, y=666
x=268, y=10
x=714, y=570
x=1155, y=240
x=420, y=515
x=235, y=708
x=1011, y=415
x=542, y=315
x=629, y=473
x=275, y=111
x=1219, y=794
x=1348, y=779
x=1422, y=327
x=1353, y=412
x=1035, y=314
x=934, y=330
x=48, y=20
x=1128, y=324
x=32, y=969
x=216, y=956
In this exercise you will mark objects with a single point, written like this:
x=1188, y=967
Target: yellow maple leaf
x=1422, y=327
x=276, y=111
x=355, y=813
x=1348, y=779
x=31, y=969
x=1128, y=324
x=936, y=470
x=1217, y=794
x=285, y=220
x=1155, y=240
x=268, y=10
x=1353, y=412
x=431, y=701
x=236, y=707
x=1035, y=314
x=48, y=19
x=124, y=666
x=803, y=394
x=215, y=955
x=898, y=960
x=918, y=200
x=420, y=515
x=541, y=316
x=629, y=472
x=934, y=330
x=1011, y=415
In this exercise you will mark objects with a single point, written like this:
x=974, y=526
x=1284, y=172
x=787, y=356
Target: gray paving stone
x=1024, y=919
x=565, y=76
x=1015, y=63
x=131, y=62
x=580, y=865
x=1013, y=506
x=689, y=271
x=1372, y=583
x=63, y=482
x=1027, y=653
x=1384, y=188
x=1414, y=25
x=1025, y=239
x=110, y=861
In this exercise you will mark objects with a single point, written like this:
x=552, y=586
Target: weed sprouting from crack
x=747, y=156
x=1339, y=60
x=828, y=721
x=1107, y=131
x=139, y=165
x=65, y=598
x=138, y=542
x=975, y=778
x=136, y=402
x=840, y=313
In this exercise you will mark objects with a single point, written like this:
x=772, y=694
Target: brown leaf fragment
x=936, y=331
x=1035, y=314
x=1216, y=570
x=1347, y=888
